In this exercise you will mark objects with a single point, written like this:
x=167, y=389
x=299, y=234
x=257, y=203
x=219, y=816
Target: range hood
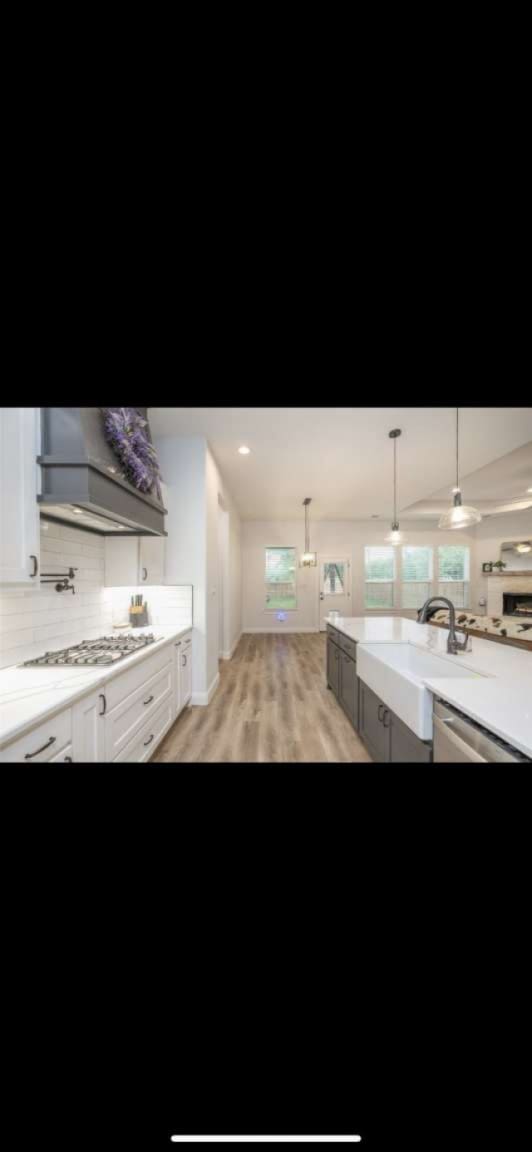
x=82, y=481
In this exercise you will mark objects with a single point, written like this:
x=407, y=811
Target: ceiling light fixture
x=460, y=515
x=244, y=451
x=308, y=559
x=395, y=537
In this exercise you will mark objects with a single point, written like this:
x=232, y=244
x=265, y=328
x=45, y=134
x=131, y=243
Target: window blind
x=379, y=565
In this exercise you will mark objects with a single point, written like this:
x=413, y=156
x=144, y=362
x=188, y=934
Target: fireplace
x=517, y=604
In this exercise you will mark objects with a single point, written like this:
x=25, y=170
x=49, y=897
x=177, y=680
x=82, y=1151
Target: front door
x=335, y=587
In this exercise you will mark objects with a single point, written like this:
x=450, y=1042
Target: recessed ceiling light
x=78, y=512
x=244, y=451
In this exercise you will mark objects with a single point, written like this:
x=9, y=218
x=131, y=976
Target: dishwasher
x=459, y=740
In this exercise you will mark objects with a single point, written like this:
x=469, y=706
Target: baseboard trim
x=205, y=698
x=229, y=655
x=279, y=631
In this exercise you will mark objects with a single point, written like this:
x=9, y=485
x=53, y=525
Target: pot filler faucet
x=454, y=645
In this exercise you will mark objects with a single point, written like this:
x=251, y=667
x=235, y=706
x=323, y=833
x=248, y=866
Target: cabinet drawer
x=42, y=744
x=130, y=716
x=125, y=683
x=333, y=633
x=347, y=645
x=144, y=744
x=64, y=756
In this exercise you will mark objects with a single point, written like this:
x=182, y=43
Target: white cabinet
x=19, y=510
x=50, y=740
x=88, y=728
x=182, y=673
x=134, y=561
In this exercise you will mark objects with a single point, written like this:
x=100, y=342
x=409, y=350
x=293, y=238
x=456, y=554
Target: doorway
x=335, y=586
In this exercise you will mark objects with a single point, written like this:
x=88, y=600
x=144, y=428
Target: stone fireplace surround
x=499, y=584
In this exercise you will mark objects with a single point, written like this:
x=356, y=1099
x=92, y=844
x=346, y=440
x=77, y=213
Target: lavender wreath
x=125, y=431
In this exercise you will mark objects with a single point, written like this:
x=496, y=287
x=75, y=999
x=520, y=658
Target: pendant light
x=395, y=537
x=308, y=559
x=460, y=515
x=524, y=547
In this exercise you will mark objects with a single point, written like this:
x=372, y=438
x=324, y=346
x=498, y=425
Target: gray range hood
x=83, y=484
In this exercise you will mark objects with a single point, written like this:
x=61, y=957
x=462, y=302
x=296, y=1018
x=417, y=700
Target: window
x=416, y=576
x=280, y=578
x=453, y=574
x=334, y=578
x=380, y=575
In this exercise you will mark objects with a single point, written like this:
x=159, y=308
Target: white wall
x=344, y=537
x=194, y=488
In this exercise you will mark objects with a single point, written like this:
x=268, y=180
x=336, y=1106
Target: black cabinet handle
x=149, y=700
x=386, y=713
x=35, y=566
x=30, y=755
x=184, y=661
x=104, y=709
x=69, y=759
x=379, y=712
x=145, y=571
x=148, y=741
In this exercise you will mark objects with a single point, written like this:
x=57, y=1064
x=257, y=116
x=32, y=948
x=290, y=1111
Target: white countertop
x=29, y=695
x=501, y=701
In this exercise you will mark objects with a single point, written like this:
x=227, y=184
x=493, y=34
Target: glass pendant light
x=395, y=536
x=460, y=515
x=308, y=559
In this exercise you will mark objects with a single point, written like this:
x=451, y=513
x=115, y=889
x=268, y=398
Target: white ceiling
x=343, y=457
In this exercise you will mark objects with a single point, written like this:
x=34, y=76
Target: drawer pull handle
x=386, y=713
x=178, y=645
x=148, y=741
x=35, y=566
x=379, y=711
x=69, y=759
x=149, y=700
x=30, y=755
x=144, y=573
x=184, y=661
x=104, y=709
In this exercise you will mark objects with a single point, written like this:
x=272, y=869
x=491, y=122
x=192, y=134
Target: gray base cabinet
x=374, y=730
x=348, y=695
x=405, y=746
x=385, y=735
x=342, y=672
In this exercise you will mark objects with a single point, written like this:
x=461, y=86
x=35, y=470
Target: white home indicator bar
x=266, y=1139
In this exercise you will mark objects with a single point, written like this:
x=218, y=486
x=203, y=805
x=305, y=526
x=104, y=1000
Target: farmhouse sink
x=396, y=673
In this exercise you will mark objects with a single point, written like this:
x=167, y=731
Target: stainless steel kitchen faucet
x=454, y=645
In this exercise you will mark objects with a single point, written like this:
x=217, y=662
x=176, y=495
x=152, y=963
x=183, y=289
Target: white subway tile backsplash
x=36, y=619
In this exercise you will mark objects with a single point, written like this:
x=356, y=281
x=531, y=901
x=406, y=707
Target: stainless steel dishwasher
x=459, y=740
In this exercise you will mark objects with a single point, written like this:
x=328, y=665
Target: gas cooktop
x=105, y=650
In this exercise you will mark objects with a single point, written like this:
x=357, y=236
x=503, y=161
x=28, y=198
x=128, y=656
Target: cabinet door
x=177, y=678
x=406, y=747
x=19, y=510
x=151, y=559
x=333, y=666
x=88, y=728
x=374, y=723
x=122, y=562
x=185, y=673
x=348, y=687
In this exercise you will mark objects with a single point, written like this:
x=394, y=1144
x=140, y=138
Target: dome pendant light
x=308, y=559
x=395, y=537
x=460, y=515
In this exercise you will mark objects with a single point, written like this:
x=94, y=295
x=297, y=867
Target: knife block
x=138, y=617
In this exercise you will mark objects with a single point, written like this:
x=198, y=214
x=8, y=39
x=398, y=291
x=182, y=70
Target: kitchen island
x=492, y=684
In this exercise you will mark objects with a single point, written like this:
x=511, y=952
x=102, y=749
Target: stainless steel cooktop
x=105, y=650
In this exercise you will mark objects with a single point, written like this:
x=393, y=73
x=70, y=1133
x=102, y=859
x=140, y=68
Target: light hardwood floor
x=272, y=704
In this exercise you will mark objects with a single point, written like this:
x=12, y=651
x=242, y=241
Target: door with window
x=335, y=587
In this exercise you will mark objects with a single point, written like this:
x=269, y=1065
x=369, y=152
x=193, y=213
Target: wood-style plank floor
x=272, y=704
